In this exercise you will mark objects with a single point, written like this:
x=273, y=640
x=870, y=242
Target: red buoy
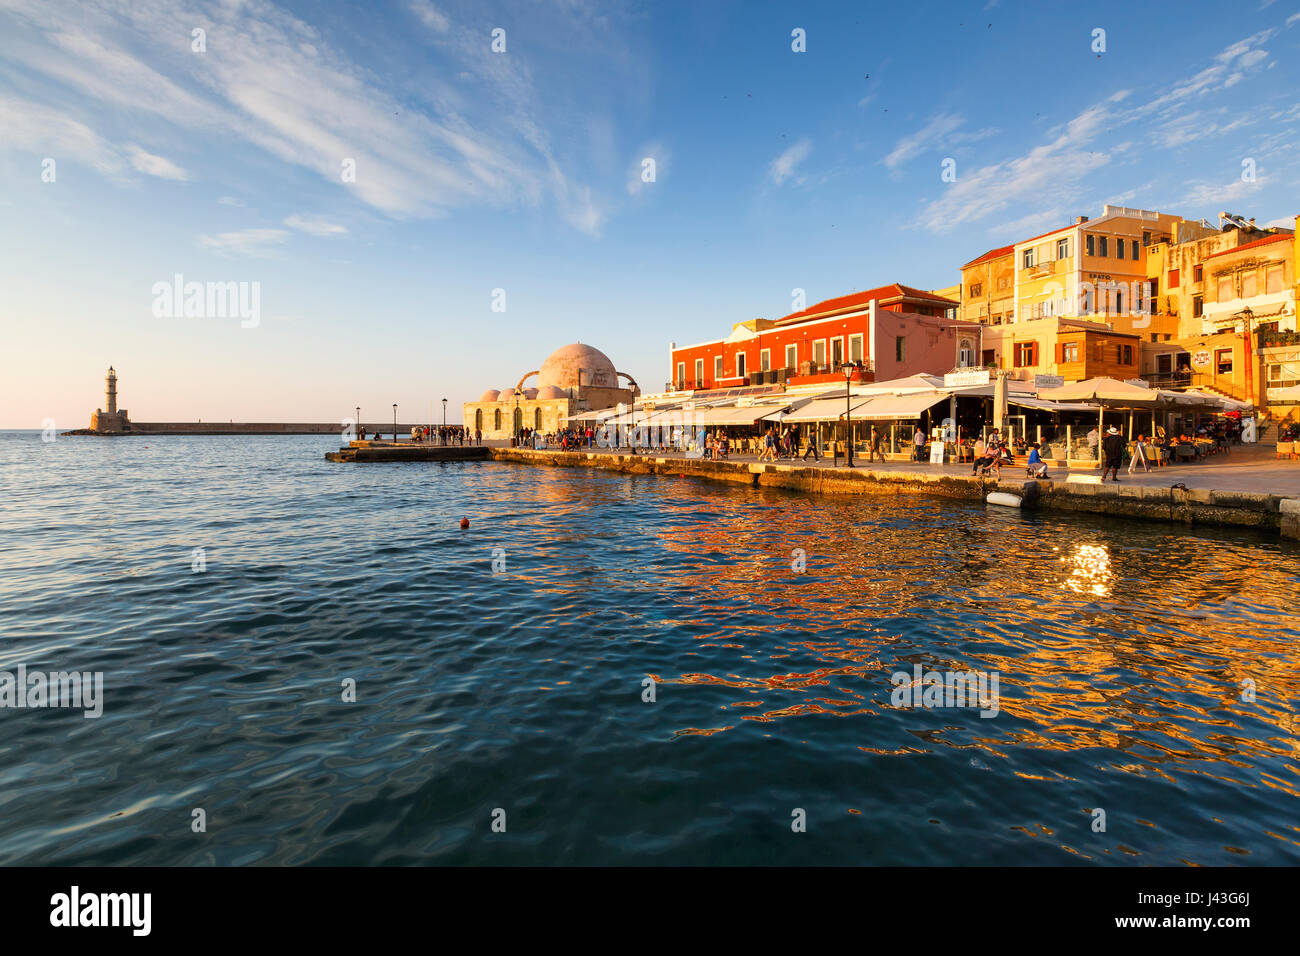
x=464, y=523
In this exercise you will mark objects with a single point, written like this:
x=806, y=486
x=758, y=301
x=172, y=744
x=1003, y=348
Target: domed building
x=574, y=378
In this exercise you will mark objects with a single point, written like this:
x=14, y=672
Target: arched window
x=519, y=419
x=496, y=420
x=537, y=419
x=478, y=419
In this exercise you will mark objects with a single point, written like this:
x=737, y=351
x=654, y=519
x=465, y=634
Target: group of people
x=443, y=434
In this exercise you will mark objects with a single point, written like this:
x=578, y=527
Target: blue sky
x=521, y=171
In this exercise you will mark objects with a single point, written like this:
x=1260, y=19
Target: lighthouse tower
x=111, y=420
x=111, y=388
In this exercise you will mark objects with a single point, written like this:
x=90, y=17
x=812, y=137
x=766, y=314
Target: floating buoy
x=464, y=523
x=1003, y=498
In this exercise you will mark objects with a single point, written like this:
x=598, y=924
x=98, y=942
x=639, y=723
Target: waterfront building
x=988, y=287
x=894, y=331
x=1093, y=268
x=574, y=378
x=1071, y=348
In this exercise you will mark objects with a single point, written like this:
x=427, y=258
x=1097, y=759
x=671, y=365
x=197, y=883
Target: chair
x=1286, y=449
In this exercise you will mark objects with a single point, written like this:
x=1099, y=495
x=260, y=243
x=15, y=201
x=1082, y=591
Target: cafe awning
x=886, y=408
x=826, y=409
x=1038, y=403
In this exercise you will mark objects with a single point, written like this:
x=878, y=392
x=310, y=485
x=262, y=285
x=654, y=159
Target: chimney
x=1078, y=220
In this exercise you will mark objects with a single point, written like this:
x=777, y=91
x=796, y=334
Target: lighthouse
x=110, y=384
x=109, y=420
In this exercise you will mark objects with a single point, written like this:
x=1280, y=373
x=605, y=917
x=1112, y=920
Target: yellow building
x=1095, y=269
x=988, y=287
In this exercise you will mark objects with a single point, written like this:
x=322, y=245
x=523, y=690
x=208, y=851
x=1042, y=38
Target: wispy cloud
x=430, y=16
x=315, y=226
x=785, y=165
x=153, y=165
x=246, y=242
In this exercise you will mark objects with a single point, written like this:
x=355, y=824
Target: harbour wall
x=1192, y=506
x=241, y=428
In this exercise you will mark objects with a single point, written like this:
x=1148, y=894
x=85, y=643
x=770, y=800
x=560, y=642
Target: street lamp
x=444, y=413
x=516, y=422
x=394, y=423
x=849, y=368
x=358, y=419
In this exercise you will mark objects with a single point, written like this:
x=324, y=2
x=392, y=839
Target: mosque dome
x=489, y=396
x=571, y=366
x=549, y=392
x=530, y=393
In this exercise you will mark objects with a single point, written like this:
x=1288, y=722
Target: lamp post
x=358, y=418
x=444, y=413
x=394, y=423
x=848, y=368
x=516, y=422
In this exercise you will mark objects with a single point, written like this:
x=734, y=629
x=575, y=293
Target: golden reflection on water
x=1126, y=645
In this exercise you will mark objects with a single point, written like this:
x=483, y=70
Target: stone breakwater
x=1193, y=506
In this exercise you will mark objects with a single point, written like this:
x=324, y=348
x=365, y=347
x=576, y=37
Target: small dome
x=530, y=393
x=489, y=396
x=547, y=392
x=507, y=395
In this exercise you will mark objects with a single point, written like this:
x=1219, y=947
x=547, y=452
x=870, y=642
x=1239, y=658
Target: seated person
x=1035, y=467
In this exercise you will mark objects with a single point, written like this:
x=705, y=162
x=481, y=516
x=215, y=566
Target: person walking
x=1112, y=447
x=811, y=447
x=918, y=440
x=873, y=446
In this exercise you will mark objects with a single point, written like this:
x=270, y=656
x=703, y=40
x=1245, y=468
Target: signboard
x=1202, y=359
x=975, y=376
x=936, y=453
x=1049, y=381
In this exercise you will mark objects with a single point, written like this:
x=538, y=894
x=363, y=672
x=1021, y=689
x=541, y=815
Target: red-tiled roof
x=997, y=253
x=1280, y=237
x=886, y=293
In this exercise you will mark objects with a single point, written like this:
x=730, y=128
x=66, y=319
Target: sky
x=422, y=216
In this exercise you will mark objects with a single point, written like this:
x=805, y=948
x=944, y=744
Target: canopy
x=1026, y=402
x=826, y=409
x=1105, y=391
x=1289, y=394
x=891, y=407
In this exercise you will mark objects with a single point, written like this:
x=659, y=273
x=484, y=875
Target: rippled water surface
x=1121, y=651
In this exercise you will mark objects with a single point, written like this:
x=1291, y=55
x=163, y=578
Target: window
x=791, y=356
x=740, y=364
x=1248, y=284
x=1119, y=303
x=1273, y=278
x=1225, y=288
x=819, y=353
x=478, y=419
x=699, y=373
x=1119, y=248
x=965, y=353
x=681, y=373
x=1198, y=273
x=1070, y=352
x=989, y=358
x=764, y=360
x=1103, y=245
x=1029, y=258
x=1026, y=354
x=496, y=420
x=1091, y=244
x=899, y=350
x=1223, y=361
x=1198, y=306
x=1126, y=358
x=976, y=290
x=717, y=367
x=1175, y=276
x=1062, y=248
x=537, y=419
x=1146, y=238
x=855, y=348
x=837, y=352
x=1135, y=248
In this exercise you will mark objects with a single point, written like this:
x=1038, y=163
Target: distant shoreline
x=156, y=429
